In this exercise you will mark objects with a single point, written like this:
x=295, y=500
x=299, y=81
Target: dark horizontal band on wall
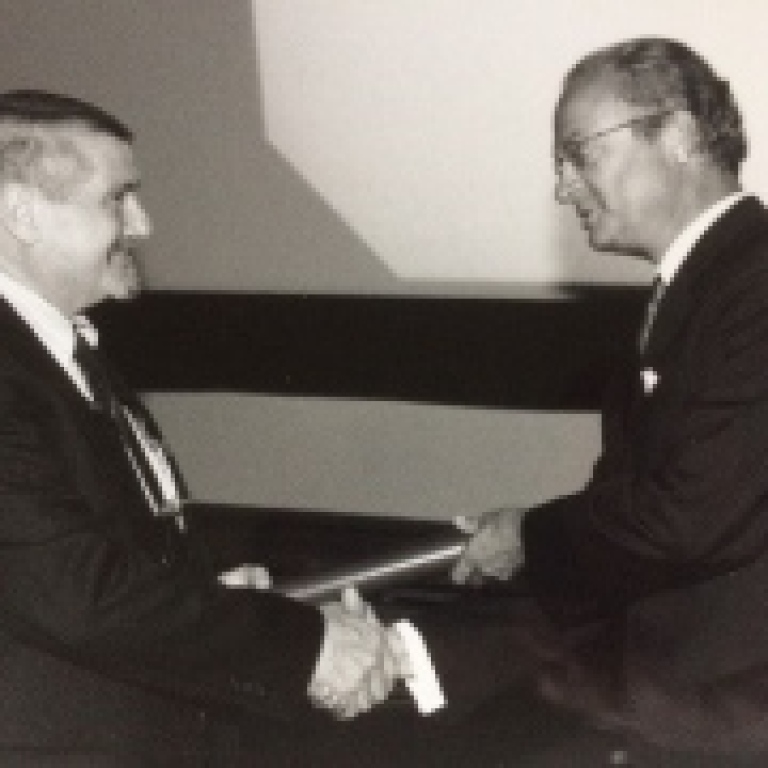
x=548, y=354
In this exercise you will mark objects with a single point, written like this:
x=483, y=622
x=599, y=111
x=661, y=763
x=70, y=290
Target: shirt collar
x=54, y=329
x=685, y=241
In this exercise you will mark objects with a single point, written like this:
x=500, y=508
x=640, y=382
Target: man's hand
x=360, y=660
x=495, y=549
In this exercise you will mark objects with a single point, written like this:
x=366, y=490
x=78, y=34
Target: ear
x=17, y=211
x=680, y=137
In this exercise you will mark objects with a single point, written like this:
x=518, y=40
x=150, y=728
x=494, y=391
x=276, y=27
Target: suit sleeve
x=688, y=498
x=77, y=584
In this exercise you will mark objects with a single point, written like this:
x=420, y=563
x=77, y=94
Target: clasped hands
x=361, y=659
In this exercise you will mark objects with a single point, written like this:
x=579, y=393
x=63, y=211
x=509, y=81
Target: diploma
x=403, y=565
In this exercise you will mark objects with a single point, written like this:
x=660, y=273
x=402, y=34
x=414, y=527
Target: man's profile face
x=84, y=238
x=616, y=181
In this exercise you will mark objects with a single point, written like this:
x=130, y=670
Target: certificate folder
x=407, y=565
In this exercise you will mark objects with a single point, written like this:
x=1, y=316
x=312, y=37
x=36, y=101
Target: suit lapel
x=701, y=272
x=104, y=475
x=24, y=345
x=104, y=458
x=137, y=408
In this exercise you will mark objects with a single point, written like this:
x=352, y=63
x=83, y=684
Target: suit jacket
x=666, y=548
x=114, y=636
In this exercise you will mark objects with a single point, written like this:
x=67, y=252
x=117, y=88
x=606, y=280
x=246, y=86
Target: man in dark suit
x=118, y=646
x=654, y=577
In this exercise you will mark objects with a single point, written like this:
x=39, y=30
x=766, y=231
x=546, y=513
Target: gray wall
x=228, y=211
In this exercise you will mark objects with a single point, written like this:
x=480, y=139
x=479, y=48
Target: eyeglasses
x=572, y=150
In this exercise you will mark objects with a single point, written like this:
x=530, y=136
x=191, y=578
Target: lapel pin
x=650, y=379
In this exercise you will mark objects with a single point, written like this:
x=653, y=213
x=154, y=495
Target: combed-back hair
x=43, y=107
x=36, y=138
x=666, y=74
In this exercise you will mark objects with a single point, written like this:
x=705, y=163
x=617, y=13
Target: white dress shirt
x=685, y=241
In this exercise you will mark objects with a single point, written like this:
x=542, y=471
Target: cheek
x=602, y=187
x=645, y=181
x=83, y=233
x=646, y=204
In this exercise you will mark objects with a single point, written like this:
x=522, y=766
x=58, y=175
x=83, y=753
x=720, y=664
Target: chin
x=604, y=241
x=605, y=246
x=596, y=243
x=125, y=293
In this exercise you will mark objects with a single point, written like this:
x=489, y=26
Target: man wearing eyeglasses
x=664, y=553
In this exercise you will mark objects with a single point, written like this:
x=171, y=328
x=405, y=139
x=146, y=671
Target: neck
x=48, y=290
x=689, y=202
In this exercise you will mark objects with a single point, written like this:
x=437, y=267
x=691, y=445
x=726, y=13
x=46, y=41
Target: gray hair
x=36, y=138
x=667, y=75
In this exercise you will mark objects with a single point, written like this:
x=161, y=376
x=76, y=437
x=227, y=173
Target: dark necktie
x=106, y=399
x=650, y=312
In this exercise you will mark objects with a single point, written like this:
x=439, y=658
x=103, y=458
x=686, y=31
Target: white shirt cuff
x=423, y=684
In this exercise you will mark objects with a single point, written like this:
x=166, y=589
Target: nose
x=562, y=193
x=564, y=185
x=136, y=221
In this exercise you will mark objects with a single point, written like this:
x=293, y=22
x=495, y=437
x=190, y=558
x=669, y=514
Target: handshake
x=361, y=660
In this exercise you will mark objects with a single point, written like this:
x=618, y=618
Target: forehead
x=589, y=107
x=111, y=160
